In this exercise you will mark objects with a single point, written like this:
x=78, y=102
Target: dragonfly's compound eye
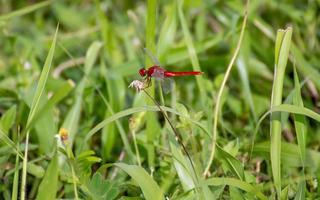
x=142, y=72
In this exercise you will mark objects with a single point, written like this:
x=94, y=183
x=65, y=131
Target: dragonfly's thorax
x=156, y=71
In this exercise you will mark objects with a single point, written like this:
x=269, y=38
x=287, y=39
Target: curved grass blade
x=24, y=11
x=15, y=184
x=288, y=109
x=149, y=187
x=130, y=111
x=290, y=155
x=35, y=106
x=235, y=183
x=234, y=165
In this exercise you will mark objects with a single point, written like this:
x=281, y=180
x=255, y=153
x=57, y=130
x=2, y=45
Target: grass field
x=247, y=128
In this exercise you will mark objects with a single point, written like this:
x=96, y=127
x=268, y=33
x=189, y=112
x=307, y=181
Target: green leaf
x=35, y=170
x=290, y=155
x=100, y=189
x=182, y=166
x=149, y=187
x=234, y=165
x=235, y=183
x=8, y=119
x=49, y=185
x=301, y=194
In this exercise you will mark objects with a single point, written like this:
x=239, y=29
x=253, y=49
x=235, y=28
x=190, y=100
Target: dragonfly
x=163, y=75
x=159, y=73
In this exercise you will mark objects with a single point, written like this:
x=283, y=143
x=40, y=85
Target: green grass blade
x=35, y=106
x=149, y=187
x=25, y=10
x=305, y=67
x=42, y=81
x=191, y=49
x=152, y=127
x=15, y=185
x=62, y=92
x=235, y=183
x=130, y=111
x=301, y=132
x=10, y=143
x=182, y=166
x=175, y=55
x=301, y=194
x=233, y=164
x=299, y=121
x=292, y=109
x=290, y=155
x=288, y=109
x=168, y=31
x=71, y=122
x=8, y=119
x=282, y=47
x=49, y=184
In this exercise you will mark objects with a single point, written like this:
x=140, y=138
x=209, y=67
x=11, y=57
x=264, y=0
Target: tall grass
x=115, y=143
x=282, y=48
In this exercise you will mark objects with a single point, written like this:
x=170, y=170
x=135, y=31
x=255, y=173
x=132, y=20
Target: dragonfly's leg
x=148, y=82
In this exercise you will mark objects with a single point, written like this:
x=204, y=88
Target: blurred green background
x=98, y=52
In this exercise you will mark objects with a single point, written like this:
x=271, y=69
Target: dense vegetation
x=71, y=128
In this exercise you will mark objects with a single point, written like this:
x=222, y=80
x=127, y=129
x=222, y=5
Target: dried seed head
x=137, y=84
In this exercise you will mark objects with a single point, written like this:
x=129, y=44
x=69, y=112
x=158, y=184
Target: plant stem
x=176, y=133
x=218, y=103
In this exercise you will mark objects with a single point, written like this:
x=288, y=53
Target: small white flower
x=139, y=85
x=27, y=65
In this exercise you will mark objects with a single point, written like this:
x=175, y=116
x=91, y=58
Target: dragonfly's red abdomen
x=159, y=72
x=191, y=73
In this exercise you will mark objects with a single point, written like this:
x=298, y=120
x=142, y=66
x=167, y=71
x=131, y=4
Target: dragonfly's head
x=143, y=72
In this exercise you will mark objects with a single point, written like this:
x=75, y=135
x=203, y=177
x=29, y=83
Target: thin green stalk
x=74, y=181
x=14, y=195
x=133, y=132
x=24, y=169
x=151, y=124
x=219, y=97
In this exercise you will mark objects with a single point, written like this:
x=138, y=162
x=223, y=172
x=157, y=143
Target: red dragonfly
x=162, y=74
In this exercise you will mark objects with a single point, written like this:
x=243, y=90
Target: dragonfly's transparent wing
x=152, y=57
x=158, y=73
x=167, y=85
